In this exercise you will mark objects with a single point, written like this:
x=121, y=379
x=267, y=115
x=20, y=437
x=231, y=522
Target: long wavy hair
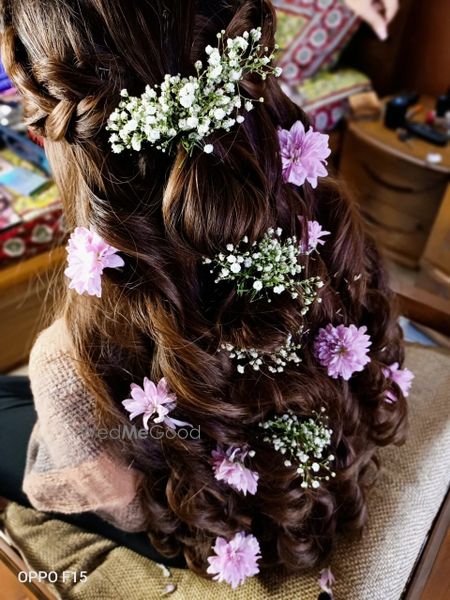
x=163, y=315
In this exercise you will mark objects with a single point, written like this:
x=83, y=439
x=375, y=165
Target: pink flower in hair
x=229, y=467
x=154, y=402
x=235, y=560
x=315, y=233
x=342, y=350
x=88, y=256
x=402, y=377
x=303, y=154
x=326, y=581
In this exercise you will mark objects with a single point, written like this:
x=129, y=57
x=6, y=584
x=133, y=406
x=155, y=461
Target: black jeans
x=17, y=417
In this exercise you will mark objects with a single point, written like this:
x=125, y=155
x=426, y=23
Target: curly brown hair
x=163, y=315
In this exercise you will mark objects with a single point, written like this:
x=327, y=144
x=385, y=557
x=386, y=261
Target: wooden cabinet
x=435, y=262
x=399, y=192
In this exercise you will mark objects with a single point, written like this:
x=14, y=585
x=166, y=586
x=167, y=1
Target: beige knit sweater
x=68, y=471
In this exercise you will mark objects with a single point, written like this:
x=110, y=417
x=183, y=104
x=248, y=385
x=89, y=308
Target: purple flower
x=326, y=581
x=154, y=402
x=402, y=377
x=343, y=350
x=229, y=467
x=303, y=154
x=88, y=256
x=235, y=560
x=313, y=237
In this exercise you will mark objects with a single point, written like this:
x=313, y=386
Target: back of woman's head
x=165, y=315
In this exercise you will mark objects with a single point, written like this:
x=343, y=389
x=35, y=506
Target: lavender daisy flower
x=229, y=467
x=314, y=237
x=303, y=154
x=235, y=560
x=326, y=581
x=88, y=255
x=402, y=377
x=154, y=402
x=342, y=350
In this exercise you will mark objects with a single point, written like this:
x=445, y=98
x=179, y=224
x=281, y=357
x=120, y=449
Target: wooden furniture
x=400, y=193
x=416, y=55
x=435, y=262
x=24, y=287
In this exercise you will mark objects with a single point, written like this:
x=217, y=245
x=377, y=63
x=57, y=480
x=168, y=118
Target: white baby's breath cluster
x=268, y=265
x=305, y=443
x=275, y=360
x=191, y=108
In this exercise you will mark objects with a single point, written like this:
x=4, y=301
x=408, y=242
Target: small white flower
x=214, y=57
x=235, y=267
x=192, y=106
x=258, y=285
x=203, y=129
x=191, y=122
x=236, y=75
x=136, y=144
x=256, y=34
x=219, y=114
x=302, y=440
x=208, y=149
x=216, y=72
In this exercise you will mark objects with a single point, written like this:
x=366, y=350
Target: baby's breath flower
x=270, y=265
x=189, y=109
x=305, y=443
x=275, y=360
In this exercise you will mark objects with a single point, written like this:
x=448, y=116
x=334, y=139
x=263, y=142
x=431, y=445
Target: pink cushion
x=312, y=33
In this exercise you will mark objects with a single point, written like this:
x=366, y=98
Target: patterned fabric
x=311, y=34
x=29, y=238
x=29, y=224
x=324, y=97
x=402, y=506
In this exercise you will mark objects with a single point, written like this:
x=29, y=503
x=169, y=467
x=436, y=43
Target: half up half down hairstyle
x=163, y=315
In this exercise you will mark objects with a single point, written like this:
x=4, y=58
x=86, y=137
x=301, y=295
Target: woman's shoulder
x=52, y=366
x=55, y=339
